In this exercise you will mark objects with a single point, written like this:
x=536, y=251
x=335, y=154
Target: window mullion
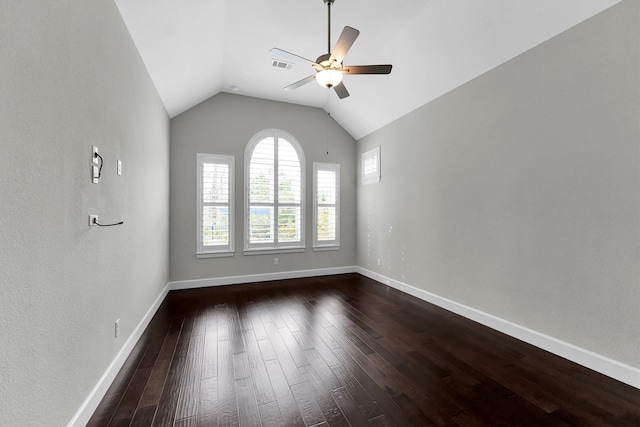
x=276, y=183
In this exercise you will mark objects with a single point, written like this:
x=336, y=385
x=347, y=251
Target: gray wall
x=520, y=190
x=70, y=77
x=224, y=124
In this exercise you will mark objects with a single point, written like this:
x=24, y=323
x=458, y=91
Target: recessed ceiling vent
x=278, y=63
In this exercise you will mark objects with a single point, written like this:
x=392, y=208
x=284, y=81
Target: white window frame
x=326, y=245
x=275, y=247
x=219, y=250
x=371, y=158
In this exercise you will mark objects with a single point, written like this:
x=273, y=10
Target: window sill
x=326, y=248
x=273, y=251
x=214, y=254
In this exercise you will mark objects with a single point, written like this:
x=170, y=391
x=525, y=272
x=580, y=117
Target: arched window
x=274, y=192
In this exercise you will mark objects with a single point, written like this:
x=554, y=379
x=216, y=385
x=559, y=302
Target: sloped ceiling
x=194, y=49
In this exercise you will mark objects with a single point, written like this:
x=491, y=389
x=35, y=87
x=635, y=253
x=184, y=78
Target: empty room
x=320, y=213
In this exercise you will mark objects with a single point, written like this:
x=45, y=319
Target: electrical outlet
x=275, y=261
x=94, y=151
x=117, y=328
x=92, y=220
x=379, y=263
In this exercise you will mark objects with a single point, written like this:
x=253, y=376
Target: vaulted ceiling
x=194, y=49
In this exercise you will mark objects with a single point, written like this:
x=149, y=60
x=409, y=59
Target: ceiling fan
x=329, y=67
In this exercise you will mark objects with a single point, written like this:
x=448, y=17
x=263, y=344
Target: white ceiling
x=194, y=49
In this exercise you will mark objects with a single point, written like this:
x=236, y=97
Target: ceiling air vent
x=278, y=63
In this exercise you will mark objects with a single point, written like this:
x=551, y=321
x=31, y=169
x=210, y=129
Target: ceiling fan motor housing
x=325, y=63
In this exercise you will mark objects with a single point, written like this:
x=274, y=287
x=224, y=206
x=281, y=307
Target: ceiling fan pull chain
x=328, y=118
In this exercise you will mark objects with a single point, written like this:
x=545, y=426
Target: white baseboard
x=599, y=363
x=82, y=416
x=612, y=368
x=264, y=277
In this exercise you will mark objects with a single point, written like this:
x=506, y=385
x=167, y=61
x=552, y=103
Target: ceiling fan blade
x=348, y=36
x=288, y=56
x=341, y=91
x=299, y=83
x=367, y=69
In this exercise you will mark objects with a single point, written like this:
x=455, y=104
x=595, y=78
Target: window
x=326, y=206
x=371, y=166
x=215, y=206
x=274, y=180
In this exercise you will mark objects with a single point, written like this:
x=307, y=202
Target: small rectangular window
x=371, y=166
x=326, y=206
x=215, y=210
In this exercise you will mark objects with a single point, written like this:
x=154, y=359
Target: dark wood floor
x=345, y=350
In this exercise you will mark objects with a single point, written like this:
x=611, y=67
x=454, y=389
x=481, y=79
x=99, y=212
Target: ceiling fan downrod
x=329, y=3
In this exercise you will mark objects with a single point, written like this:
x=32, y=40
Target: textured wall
x=71, y=77
x=224, y=124
x=520, y=190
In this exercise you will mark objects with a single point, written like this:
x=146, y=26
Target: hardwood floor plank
x=365, y=402
x=227, y=398
x=248, y=414
x=297, y=353
x=379, y=395
x=266, y=350
x=241, y=366
x=256, y=321
x=321, y=348
x=349, y=407
x=272, y=312
x=270, y=415
x=329, y=408
x=189, y=385
x=143, y=417
x=321, y=367
x=185, y=422
x=127, y=408
x=235, y=331
x=304, y=339
x=380, y=421
x=208, y=402
x=199, y=324
x=158, y=333
x=289, y=367
x=288, y=408
x=165, y=414
x=244, y=318
x=153, y=389
x=259, y=374
x=307, y=405
x=210, y=362
x=105, y=410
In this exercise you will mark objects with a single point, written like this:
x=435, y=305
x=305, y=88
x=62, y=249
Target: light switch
x=119, y=167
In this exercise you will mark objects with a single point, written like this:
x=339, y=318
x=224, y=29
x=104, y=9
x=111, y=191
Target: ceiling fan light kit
x=329, y=78
x=329, y=67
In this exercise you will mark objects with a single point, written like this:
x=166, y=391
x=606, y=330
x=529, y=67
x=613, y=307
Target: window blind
x=215, y=204
x=326, y=204
x=275, y=192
